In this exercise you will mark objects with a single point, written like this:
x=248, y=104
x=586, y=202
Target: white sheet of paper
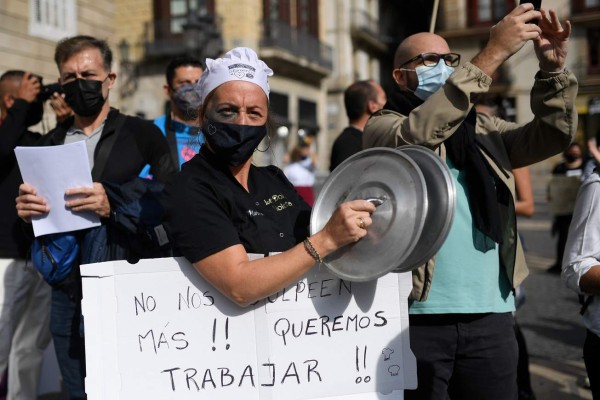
x=51, y=171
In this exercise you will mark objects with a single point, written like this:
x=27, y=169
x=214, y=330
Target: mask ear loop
x=415, y=71
x=268, y=145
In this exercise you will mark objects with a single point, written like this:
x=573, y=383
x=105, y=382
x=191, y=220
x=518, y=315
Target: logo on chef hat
x=242, y=70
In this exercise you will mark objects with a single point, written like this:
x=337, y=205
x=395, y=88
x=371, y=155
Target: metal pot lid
x=380, y=173
x=441, y=194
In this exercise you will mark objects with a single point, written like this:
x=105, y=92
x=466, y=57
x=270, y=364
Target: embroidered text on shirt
x=278, y=201
x=254, y=213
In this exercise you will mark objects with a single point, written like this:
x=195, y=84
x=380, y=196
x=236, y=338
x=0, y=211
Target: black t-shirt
x=208, y=210
x=347, y=144
x=562, y=169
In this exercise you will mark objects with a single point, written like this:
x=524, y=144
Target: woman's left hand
x=89, y=199
x=552, y=45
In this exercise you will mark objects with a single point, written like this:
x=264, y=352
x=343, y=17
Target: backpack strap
x=104, y=150
x=171, y=139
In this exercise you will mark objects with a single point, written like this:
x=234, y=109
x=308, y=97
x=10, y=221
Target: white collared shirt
x=582, y=250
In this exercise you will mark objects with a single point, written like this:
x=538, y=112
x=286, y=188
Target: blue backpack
x=55, y=256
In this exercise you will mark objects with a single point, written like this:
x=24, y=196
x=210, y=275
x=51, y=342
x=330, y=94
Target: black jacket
x=138, y=142
x=348, y=143
x=15, y=235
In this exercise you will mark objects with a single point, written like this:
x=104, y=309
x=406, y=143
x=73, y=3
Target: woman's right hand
x=29, y=204
x=348, y=224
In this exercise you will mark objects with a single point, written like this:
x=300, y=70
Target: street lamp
x=124, y=51
x=128, y=70
x=201, y=34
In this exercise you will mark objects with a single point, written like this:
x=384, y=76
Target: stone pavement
x=550, y=318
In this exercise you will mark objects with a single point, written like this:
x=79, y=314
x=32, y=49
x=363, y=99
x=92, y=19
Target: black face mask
x=34, y=113
x=84, y=96
x=571, y=157
x=233, y=143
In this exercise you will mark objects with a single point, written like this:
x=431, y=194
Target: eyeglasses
x=432, y=59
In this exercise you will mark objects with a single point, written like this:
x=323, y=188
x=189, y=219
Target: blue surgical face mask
x=431, y=79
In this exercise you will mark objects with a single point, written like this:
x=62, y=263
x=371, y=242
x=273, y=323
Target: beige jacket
x=511, y=145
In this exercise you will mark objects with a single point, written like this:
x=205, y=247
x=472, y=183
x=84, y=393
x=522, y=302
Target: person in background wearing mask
x=301, y=171
x=179, y=124
x=125, y=144
x=361, y=100
x=222, y=207
x=562, y=192
x=460, y=314
x=24, y=296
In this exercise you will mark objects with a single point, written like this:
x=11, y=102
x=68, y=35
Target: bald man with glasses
x=461, y=322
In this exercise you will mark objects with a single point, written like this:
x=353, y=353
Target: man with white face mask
x=461, y=323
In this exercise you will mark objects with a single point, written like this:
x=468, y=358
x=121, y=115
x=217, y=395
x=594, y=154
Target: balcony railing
x=179, y=35
x=297, y=42
x=585, y=71
x=362, y=20
x=160, y=39
x=365, y=32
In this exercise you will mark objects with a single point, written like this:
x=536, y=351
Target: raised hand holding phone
x=552, y=45
x=537, y=4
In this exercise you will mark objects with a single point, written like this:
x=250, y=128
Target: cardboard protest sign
x=157, y=330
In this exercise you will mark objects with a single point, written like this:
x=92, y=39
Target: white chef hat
x=240, y=63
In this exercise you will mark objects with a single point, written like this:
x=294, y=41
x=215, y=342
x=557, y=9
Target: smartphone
x=48, y=90
x=536, y=6
x=536, y=3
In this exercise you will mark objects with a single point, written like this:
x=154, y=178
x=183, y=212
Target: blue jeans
x=66, y=326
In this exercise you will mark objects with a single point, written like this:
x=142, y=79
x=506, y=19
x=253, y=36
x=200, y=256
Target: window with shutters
x=170, y=16
x=307, y=118
x=304, y=18
x=487, y=12
x=583, y=6
x=52, y=19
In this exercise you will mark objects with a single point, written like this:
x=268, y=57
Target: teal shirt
x=189, y=141
x=465, y=279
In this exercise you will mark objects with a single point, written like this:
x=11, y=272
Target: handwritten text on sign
x=175, y=336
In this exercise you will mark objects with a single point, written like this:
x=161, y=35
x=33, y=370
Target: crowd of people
x=199, y=153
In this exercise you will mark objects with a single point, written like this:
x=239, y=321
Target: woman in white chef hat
x=222, y=207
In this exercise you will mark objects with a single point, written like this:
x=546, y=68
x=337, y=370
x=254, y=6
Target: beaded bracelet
x=311, y=250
